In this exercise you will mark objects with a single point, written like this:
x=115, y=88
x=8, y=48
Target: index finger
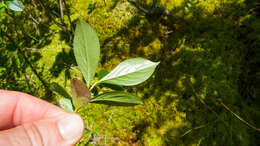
x=17, y=108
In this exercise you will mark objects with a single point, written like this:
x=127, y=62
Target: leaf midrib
x=155, y=64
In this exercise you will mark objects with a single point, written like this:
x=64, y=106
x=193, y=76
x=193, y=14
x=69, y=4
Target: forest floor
x=201, y=46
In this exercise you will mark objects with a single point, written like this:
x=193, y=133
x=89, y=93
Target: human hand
x=29, y=121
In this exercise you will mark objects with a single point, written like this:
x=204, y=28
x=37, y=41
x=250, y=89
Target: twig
x=138, y=6
x=74, y=68
x=27, y=61
x=61, y=11
x=221, y=102
x=34, y=20
x=203, y=102
x=53, y=19
x=241, y=119
x=68, y=13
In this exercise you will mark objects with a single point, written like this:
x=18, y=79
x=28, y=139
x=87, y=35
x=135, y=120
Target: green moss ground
x=201, y=61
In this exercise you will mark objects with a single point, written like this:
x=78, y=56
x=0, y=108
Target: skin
x=27, y=120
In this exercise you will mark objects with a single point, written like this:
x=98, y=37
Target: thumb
x=62, y=130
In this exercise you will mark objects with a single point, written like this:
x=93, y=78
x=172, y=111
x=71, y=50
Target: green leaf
x=15, y=5
x=86, y=50
x=130, y=72
x=60, y=90
x=102, y=73
x=66, y=104
x=80, y=93
x=117, y=98
x=111, y=86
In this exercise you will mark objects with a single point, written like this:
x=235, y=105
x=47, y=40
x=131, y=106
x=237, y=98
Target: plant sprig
x=128, y=73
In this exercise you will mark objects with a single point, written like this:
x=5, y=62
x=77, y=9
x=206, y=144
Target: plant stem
x=93, y=86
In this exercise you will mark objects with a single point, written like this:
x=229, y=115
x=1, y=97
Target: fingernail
x=71, y=127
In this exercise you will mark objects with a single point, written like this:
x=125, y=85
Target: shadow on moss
x=201, y=57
